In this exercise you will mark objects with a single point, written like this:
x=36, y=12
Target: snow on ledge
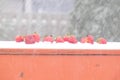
x=54, y=45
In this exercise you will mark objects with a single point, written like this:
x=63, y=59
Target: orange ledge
x=76, y=64
x=59, y=51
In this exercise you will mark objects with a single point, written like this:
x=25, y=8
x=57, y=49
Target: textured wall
x=100, y=18
x=47, y=17
x=97, y=17
x=22, y=24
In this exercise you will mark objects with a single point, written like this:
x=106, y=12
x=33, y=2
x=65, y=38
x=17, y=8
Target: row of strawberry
x=35, y=37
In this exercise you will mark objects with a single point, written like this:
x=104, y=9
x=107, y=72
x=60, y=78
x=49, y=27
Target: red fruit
x=66, y=38
x=30, y=39
x=90, y=39
x=59, y=39
x=102, y=41
x=36, y=37
x=48, y=39
x=83, y=40
x=19, y=38
x=72, y=39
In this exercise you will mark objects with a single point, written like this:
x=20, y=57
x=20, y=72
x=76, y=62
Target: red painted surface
x=59, y=67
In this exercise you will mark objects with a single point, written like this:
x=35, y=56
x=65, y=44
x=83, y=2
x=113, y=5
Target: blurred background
x=100, y=18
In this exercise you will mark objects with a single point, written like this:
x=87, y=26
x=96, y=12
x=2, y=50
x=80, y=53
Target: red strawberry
x=90, y=39
x=66, y=38
x=59, y=39
x=36, y=36
x=48, y=39
x=83, y=40
x=102, y=41
x=19, y=38
x=72, y=39
x=30, y=39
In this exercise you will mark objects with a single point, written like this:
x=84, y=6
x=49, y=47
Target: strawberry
x=66, y=38
x=83, y=40
x=102, y=41
x=48, y=39
x=87, y=39
x=19, y=38
x=72, y=39
x=36, y=37
x=90, y=39
x=30, y=39
x=59, y=39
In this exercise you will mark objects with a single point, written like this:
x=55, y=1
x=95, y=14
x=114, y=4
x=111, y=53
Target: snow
x=54, y=45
